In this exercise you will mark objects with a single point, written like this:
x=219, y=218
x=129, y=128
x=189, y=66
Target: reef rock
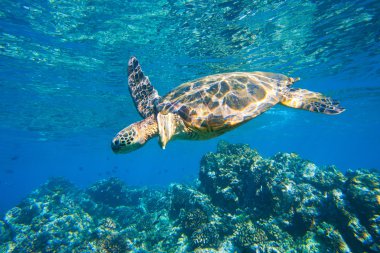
x=297, y=196
x=243, y=203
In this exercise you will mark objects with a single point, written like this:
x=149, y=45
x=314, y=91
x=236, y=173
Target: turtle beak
x=115, y=145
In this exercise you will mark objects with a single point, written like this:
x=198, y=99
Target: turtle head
x=127, y=140
x=134, y=136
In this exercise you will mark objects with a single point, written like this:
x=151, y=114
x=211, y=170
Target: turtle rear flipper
x=143, y=93
x=312, y=101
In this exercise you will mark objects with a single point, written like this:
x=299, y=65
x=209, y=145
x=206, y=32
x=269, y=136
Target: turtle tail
x=311, y=101
x=142, y=91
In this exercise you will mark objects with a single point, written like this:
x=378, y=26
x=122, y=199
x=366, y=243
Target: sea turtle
x=209, y=106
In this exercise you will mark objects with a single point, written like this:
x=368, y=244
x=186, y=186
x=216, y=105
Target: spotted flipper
x=143, y=93
x=312, y=101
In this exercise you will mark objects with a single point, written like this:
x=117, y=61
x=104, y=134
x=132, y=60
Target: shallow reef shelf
x=242, y=203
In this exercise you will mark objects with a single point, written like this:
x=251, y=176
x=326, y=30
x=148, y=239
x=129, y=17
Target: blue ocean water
x=64, y=89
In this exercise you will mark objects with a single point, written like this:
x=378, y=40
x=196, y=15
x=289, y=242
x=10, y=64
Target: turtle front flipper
x=312, y=101
x=143, y=93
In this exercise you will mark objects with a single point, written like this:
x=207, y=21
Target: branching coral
x=206, y=236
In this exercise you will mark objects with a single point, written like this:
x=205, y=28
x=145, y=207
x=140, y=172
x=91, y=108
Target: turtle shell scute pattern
x=223, y=101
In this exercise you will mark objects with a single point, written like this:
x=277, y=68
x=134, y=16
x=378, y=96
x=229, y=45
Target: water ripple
x=58, y=53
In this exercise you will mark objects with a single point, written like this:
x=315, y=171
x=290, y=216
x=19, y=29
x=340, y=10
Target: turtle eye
x=115, y=145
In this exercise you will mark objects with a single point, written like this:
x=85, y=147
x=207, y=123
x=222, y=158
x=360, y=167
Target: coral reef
x=242, y=203
x=307, y=204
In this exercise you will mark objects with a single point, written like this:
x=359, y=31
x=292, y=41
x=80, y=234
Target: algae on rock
x=243, y=203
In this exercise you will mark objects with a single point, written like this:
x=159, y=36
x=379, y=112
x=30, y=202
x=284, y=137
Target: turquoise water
x=64, y=89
